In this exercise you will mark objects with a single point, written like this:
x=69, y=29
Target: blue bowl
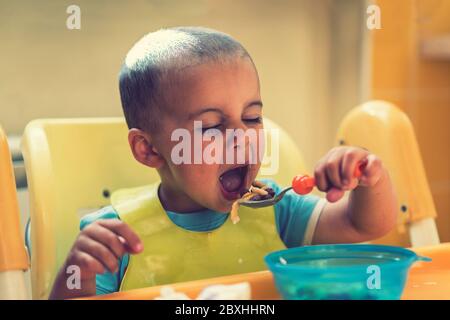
x=341, y=271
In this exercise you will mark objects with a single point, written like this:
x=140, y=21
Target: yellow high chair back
x=13, y=256
x=72, y=167
x=385, y=130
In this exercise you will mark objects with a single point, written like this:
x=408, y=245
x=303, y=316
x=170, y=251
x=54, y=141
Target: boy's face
x=222, y=95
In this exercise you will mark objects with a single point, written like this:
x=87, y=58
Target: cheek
x=256, y=147
x=197, y=176
x=260, y=146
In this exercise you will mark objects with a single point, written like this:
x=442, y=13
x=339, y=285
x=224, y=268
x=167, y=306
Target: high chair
x=73, y=165
x=13, y=256
x=385, y=130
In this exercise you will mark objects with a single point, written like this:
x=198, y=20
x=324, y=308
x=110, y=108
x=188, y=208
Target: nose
x=234, y=133
x=242, y=143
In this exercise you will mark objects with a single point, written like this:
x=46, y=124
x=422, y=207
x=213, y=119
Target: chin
x=224, y=208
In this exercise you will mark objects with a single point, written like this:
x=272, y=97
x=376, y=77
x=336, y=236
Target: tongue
x=231, y=180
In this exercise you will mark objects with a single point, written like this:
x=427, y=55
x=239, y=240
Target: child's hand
x=334, y=173
x=100, y=245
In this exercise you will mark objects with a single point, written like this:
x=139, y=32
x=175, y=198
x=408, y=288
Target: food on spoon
x=257, y=192
x=267, y=193
x=234, y=213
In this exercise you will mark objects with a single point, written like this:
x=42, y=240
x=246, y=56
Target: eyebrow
x=209, y=109
x=219, y=111
x=254, y=103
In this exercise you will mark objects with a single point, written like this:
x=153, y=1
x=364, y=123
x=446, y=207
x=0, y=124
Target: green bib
x=172, y=254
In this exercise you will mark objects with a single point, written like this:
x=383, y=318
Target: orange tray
x=426, y=281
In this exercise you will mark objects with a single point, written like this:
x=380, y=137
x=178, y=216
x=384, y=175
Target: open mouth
x=233, y=182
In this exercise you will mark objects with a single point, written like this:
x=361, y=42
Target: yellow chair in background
x=385, y=130
x=13, y=256
x=73, y=165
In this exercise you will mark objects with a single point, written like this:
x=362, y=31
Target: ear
x=143, y=150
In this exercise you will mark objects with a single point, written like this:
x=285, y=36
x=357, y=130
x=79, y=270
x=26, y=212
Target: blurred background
x=316, y=59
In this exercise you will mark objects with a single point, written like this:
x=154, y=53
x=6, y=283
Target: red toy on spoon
x=304, y=184
x=301, y=184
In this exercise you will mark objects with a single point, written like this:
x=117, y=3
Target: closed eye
x=253, y=120
x=213, y=127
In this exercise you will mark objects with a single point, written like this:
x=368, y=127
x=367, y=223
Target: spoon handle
x=281, y=194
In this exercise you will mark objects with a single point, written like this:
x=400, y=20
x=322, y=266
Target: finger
x=122, y=229
x=351, y=159
x=333, y=169
x=87, y=263
x=335, y=194
x=98, y=251
x=107, y=238
x=320, y=177
x=373, y=171
x=125, y=244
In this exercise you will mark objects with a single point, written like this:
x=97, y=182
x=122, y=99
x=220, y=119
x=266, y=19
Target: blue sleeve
x=107, y=282
x=292, y=215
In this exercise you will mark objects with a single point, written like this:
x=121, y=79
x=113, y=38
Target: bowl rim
x=274, y=264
